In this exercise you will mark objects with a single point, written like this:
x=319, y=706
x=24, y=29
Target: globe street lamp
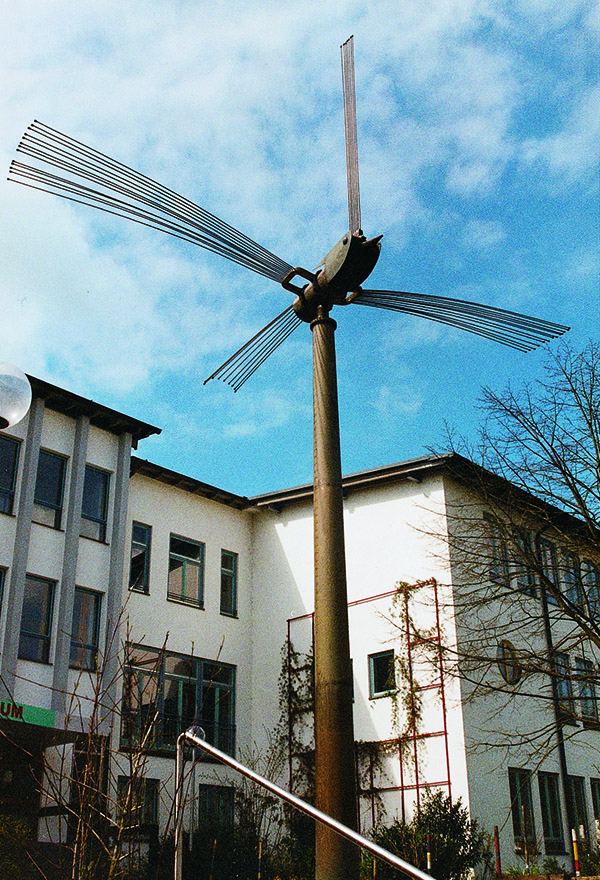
x=15, y=395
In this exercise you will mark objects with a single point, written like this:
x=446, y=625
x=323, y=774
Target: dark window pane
x=139, y=571
x=228, y=582
x=9, y=453
x=36, y=620
x=551, y=815
x=95, y=504
x=184, y=691
x=49, y=484
x=521, y=808
x=576, y=810
x=49, y=481
x=186, y=571
x=382, y=679
x=181, y=547
x=84, y=635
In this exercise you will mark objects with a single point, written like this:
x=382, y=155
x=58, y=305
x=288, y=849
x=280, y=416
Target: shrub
x=457, y=843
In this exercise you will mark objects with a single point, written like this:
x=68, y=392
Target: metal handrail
x=195, y=735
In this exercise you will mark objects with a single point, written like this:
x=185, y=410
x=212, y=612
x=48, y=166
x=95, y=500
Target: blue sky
x=478, y=131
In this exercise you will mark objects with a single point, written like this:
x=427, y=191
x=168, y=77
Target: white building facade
x=142, y=601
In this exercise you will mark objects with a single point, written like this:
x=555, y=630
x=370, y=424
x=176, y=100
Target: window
x=9, y=456
x=549, y=569
x=590, y=582
x=572, y=580
x=586, y=688
x=137, y=801
x=564, y=687
x=508, y=662
x=498, y=558
x=36, y=620
x=2, y=579
x=523, y=561
x=382, y=674
x=164, y=693
x=576, y=809
x=186, y=571
x=519, y=783
x=551, y=816
x=84, y=635
x=215, y=807
x=139, y=570
x=229, y=564
x=94, y=508
x=49, y=484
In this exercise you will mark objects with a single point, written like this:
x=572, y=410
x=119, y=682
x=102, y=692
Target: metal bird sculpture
x=92, y=178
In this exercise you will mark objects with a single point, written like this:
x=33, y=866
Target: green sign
x=27, y=714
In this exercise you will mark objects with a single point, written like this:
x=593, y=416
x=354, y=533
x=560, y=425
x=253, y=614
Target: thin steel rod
x=241, y=365
x=62, y=145
x=109, y=204
x=513, y=329
x=193, y=736
x=58, y=150
x=349, y=91
x=113, y=175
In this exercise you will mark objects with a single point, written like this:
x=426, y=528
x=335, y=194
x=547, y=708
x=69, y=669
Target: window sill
x=7, y=513
x=232, y=614
x=139, y=591
x=382, y=695
x=47, y=526
x=179, y=601
x=96, y=540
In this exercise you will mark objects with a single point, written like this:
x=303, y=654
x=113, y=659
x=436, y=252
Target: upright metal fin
x=347, y=52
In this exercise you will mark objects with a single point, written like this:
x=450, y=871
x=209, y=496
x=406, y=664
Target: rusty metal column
x=335, y=768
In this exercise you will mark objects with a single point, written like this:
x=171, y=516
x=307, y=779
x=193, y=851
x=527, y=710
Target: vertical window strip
x=139, y=569
x=229, y=575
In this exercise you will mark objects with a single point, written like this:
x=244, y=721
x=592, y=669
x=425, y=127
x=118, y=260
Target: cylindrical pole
x=575, y=853
x=497, y=851
x=428, y=853
x=179, y=769
x=335, y=772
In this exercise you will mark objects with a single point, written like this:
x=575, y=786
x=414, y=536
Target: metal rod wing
x=246, y=361
x=348, y=85
x=513, y=329
x=118, y=189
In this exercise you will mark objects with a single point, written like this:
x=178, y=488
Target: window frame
x=549, y=568
x=564, y=685
x=7, y=493
x=93, y=526
x=552, y=822
x=217, y=816
x=577, y=809
x=41, y=508
x=44, y=638
x=586, y=689
x=507, y=658
x=498, y=560
x=590, y=583
x=213, y=685
x=143, y=813
x=373, y=659
x=186, y=562
x=142, y=585
x=231, y=609
x=521, y=808
x=88, y=649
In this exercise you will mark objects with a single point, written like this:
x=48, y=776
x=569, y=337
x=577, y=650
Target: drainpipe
x=562, y=757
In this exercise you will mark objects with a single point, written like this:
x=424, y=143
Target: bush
x=457, y=843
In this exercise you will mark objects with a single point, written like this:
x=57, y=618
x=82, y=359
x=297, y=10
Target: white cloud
x=574, y=149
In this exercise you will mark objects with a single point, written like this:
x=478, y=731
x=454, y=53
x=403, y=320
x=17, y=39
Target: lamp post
x=15, y=395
